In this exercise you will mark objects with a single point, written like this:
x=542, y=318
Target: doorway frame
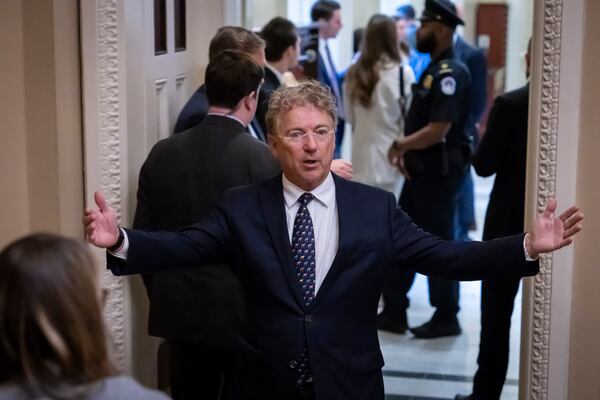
x=551, y=173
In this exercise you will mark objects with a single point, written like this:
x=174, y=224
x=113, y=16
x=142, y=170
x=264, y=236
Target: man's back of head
x=230, y=76
x=236, y=38
x=323, y=9
x=279, y=34
x=328, y=14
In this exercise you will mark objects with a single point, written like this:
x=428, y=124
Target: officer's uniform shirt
x=442, y=95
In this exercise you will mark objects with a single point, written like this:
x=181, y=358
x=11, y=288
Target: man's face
x=401, y=26
x=426, y=39
x=305, y=156
x=294, y=53
x=331, y=27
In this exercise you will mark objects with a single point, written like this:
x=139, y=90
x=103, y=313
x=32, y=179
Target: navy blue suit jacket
x=249, y=229
x=474, y=59
x=323, y=76
x=503, y=151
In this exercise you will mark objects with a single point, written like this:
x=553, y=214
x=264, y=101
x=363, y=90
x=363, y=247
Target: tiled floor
x=437, y=369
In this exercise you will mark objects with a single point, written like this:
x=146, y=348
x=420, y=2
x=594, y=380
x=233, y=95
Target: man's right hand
x=101, y=225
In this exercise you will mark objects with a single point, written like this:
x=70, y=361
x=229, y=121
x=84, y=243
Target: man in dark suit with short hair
x=474, y=59
x=226, y=38
x=328, y=14
x=502, y=151
x=282, y=47
x=312, y=251
x=200, y=312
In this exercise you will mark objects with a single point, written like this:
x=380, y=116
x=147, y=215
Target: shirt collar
x=322, y=45
x=277, y=74
x=230, y=116
x=324, y=193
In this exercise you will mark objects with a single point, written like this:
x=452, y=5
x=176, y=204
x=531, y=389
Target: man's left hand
x=550, y=233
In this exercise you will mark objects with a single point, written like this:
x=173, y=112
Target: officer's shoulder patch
x=448, y=85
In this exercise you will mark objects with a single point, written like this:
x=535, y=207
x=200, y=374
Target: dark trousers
x=465, y=208
x=198, y=372
x=431, y=203
x=497, y=303
x=306, y=392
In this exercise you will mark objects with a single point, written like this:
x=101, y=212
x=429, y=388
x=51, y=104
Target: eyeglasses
x=296, y=136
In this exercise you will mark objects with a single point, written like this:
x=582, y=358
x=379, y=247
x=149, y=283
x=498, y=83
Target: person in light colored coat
x=374, y=106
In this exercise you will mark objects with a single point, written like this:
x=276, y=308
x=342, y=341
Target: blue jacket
x=474, y=59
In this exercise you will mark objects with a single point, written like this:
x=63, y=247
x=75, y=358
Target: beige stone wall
x=40, y=167
x=261, y=11
x=584, y=374
x=14, y=205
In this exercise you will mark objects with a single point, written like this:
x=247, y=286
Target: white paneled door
x=141, y=61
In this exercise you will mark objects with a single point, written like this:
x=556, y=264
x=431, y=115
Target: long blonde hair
x=380, y=45
x=52, y=334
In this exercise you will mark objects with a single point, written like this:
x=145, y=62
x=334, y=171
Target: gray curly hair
x=309, y=92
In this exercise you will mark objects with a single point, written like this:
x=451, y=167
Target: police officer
x=433, y=155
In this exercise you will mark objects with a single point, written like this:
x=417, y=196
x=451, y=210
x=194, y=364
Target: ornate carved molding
x=110, y=158
x=546, y=172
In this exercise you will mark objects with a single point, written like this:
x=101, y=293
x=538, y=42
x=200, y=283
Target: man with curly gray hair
x=312, y=251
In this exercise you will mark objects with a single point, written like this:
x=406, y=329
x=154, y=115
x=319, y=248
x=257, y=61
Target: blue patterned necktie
x=303, y=251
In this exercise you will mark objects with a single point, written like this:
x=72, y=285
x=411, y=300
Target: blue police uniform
x=442, y=94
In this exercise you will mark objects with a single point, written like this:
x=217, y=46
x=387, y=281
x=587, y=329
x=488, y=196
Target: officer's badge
x=427, y=81
x=448, y=85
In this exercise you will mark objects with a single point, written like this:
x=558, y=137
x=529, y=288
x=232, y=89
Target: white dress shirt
x=324, y=215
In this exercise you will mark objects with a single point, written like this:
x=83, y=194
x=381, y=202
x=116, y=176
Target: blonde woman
x=52, y=336
x=374, y=104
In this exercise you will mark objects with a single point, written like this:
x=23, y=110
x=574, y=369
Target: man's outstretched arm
x=504, y=257
x=141, y=252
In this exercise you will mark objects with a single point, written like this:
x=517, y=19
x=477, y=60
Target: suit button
x=308, y=318
x=293, y=364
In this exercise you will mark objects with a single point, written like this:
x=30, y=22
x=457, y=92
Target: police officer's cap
x=441, y=11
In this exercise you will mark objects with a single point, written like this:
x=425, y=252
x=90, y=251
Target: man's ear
x=249, y=99
x=289, y=52
x=272, y=143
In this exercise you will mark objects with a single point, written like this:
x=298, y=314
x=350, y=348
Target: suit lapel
x=273, y=208
x=348, y=229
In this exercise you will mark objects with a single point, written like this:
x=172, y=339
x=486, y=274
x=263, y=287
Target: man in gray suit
x=180, y=182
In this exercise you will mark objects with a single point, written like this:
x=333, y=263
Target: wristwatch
x=119, y=243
